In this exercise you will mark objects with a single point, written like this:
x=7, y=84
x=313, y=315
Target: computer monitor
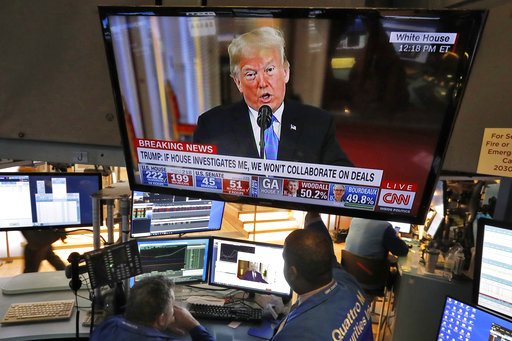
x=403, y=228
x=156, y=214
x=492, y=286
x=466, y=322
x=46, y=200
x=370, y=99
x=247, y=265
x=437, y=209
x=185, y=260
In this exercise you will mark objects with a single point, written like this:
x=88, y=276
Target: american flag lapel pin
x=292, y=127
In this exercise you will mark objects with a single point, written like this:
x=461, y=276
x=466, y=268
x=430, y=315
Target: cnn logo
x=398, y=199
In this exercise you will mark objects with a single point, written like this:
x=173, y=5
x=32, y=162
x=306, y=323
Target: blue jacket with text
x=338, y=313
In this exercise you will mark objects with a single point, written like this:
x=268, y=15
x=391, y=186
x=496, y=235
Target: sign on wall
x=496, y=152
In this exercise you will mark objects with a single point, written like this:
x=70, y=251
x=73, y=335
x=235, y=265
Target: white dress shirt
x=253, y=114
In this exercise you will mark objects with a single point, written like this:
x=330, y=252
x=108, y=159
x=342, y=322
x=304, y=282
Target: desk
x=219, y=329
x=43, y=330
x=66, y=329
x=420, y=302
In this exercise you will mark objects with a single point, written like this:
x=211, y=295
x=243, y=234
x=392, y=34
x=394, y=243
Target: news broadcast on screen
x=334, y=110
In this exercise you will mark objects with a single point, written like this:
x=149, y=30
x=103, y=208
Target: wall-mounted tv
x=344, y=111
x=46, y=200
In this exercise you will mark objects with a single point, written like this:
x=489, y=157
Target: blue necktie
x=271, y=141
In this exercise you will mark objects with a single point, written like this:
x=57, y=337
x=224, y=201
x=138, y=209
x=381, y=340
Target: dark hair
x=310, y=251
x=149, y=298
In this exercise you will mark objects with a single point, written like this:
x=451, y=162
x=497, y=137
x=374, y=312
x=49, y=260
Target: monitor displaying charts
x=492, y=288
x=156, y=214
x=184, y=260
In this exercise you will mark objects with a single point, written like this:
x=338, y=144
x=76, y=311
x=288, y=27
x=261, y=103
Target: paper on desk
x=234, y=324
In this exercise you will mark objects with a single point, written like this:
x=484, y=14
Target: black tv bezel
x=166, y=238
x=295, y=12
x=482, y=222
x=249, y=290
x=54, y=174
x=172, y=233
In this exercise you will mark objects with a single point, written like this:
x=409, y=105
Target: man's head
x=259, y=67
x=151, y=301
x=308, y=259
x=253, y=266
x=292, y=186
x=339, y=191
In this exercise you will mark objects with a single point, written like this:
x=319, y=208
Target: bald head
x=311, y=253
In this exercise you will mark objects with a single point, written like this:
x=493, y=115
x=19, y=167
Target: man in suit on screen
x=252, y=274
x=297, y=132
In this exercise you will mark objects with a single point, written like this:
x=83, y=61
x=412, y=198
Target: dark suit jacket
x=307, y=133
x=248, y=276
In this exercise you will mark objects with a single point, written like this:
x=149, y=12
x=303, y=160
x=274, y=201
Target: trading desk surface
x=66, y=329
x=420, y=300
x=42, y=330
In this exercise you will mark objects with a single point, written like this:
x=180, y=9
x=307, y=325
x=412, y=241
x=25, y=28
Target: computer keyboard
x=39, y=311
x=228, y=313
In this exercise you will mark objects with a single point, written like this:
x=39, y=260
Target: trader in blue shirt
x=150, y=311
x=330, y=304
x=374, y=238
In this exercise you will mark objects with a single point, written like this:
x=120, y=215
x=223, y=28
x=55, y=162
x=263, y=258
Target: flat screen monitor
x=250, y=266
x=185, y=260
x=465, y=322
x=437, y=209
x=44, y=200
x=156, y=214
x=403, y=228
x=363, y=104
x=492, y=287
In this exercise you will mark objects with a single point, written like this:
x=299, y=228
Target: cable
x=77, y=321
x=93, y=299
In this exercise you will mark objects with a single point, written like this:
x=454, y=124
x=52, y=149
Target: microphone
x=264, y=120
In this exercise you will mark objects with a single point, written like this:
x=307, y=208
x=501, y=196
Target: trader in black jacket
x=260, y=70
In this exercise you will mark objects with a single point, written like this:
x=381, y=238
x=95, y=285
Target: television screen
x=492, y=288
x=462, y=321
x=249, y=266
x=43, y=200
x=344, y=111
x=185, y=260
x=156, y=214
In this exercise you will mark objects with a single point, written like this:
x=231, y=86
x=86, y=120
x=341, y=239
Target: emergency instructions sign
x=496, y=152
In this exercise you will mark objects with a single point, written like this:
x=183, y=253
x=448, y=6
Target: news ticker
x=153, y=158
x=285, y=189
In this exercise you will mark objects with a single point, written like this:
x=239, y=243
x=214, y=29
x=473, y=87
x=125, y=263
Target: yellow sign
x=496, y=152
